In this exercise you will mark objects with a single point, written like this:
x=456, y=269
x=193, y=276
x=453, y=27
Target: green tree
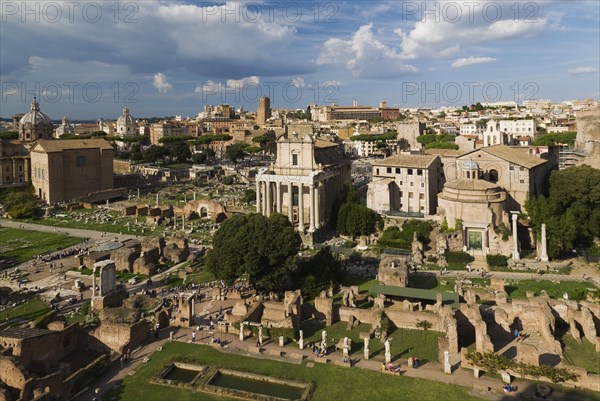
x=318, y=273
x=179, y=151
x=199, y=158
x=249, y=196
x=20, y=204
x=261, y=140
x=354, y=219
x=153, y=154
x=236, y=152
x=263, y=248
x=571, y=211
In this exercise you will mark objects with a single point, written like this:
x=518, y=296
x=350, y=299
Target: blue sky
x=87, y=60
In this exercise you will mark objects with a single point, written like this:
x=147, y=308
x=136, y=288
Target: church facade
x=303, y=182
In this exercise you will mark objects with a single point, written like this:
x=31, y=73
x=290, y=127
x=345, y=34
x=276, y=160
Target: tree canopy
x=19, y=203
x=153, y=153
x=354, y=218
x=263, y=248
x=318, y=273
x=571, y=211
x=567, y=138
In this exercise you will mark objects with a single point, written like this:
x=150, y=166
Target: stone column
x=93, y=282
x=317, y=202
x=301, y=340
x=241, y=331
x=366, y=349
x=447, y=365
x=300, y=209
x=484, y=241
x=291, y=202
x=258, y=206
x=516, y=255
x=311, y=212
x=269, y=200
x=278, y=196
x=544, y=255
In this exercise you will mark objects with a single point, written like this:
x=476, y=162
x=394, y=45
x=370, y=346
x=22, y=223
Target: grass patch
x=583, y=355
x=33, y=308
x=332, y=382
x=202, y=277
x=23, y=245
x=518, y=289
x=403, y=342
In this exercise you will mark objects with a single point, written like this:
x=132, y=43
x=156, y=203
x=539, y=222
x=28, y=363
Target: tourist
x=383, y=368
x=193, y=336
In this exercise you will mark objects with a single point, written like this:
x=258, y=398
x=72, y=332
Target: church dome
x=35, y=116
x=126, y=118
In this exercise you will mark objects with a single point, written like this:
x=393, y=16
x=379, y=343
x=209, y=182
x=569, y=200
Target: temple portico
x=303, y=182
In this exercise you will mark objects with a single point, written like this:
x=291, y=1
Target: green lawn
x=23, y=245
x=403, y=342
x=30, y=310
x=583, y=355
x=332, y=382
x=516, y=289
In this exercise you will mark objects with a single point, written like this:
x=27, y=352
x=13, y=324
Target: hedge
x=496, y=260
x=458, y=257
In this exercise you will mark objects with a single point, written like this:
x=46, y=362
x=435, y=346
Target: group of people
x=507, y=388
x=390, y=368
x=125, y=357
x=519, y=335
x=319, y=351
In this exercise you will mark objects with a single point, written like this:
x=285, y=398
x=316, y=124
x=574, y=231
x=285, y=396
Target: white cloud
x=330, y=83
x=365, y=55
x=583, y=70
x=445, y=37
x=161, y=84
x=298, y=82
x=242, y=83
x=158, y=36
x=463, y=62
x=212, y=87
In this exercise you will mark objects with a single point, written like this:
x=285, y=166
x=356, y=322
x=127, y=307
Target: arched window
x=493, y=175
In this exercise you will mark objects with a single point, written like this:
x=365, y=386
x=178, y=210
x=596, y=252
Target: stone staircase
x=479, y=263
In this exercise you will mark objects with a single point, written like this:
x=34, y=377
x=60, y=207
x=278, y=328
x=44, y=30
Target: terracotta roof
x=416, y=161
x=477, y=185
x=21, y=333
x=321, y=143
x=58, y=145
x=446, y=152
x=517, y=156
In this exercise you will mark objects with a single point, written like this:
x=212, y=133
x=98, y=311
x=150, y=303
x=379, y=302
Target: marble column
x=311, y=211
x=317, y=203
x=544, y=255
x=269, y=200
x=263, y=190
x=258, y=206
x=278, y=196
x=291, y=202
x=516, y=255
x=300, y=209
x=484, y=241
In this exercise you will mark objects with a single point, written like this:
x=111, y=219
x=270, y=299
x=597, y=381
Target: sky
x=89, y=59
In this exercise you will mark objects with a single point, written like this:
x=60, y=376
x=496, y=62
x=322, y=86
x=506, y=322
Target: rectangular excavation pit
x=256, y=387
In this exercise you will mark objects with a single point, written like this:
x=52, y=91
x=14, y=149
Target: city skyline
x=410, y=54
